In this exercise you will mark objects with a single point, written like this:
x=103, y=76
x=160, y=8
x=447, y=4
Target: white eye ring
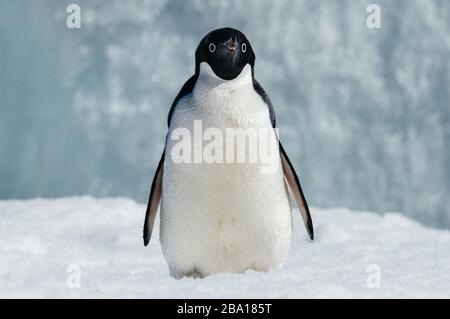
x=212, y=47
x=243, y=47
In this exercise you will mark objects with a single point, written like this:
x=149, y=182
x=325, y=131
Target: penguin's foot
x=195, y=274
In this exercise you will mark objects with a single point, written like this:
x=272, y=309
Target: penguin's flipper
x=294, y=184
x=153, y=201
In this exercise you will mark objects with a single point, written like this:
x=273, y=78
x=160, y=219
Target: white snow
x=40, y=238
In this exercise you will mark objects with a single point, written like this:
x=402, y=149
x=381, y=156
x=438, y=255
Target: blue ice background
x=364, y=114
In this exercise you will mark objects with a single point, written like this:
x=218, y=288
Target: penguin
x=223, y=217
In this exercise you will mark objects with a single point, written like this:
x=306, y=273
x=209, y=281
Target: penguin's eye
x=212, y=47
x=243, y=47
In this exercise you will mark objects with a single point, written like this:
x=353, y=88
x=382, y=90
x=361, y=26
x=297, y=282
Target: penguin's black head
x=227, y=51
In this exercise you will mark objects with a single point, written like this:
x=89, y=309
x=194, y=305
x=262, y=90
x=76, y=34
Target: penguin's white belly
x=223, y=217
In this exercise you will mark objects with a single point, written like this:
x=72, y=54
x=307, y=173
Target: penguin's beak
x=231, y=44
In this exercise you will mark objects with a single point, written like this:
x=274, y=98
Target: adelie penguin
x=222, y=217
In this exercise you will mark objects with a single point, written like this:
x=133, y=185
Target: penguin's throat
x=208, y=80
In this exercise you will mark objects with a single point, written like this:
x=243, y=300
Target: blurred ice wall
x=363, y=113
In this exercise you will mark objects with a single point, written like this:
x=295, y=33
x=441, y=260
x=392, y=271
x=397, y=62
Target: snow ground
x=40, y=238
